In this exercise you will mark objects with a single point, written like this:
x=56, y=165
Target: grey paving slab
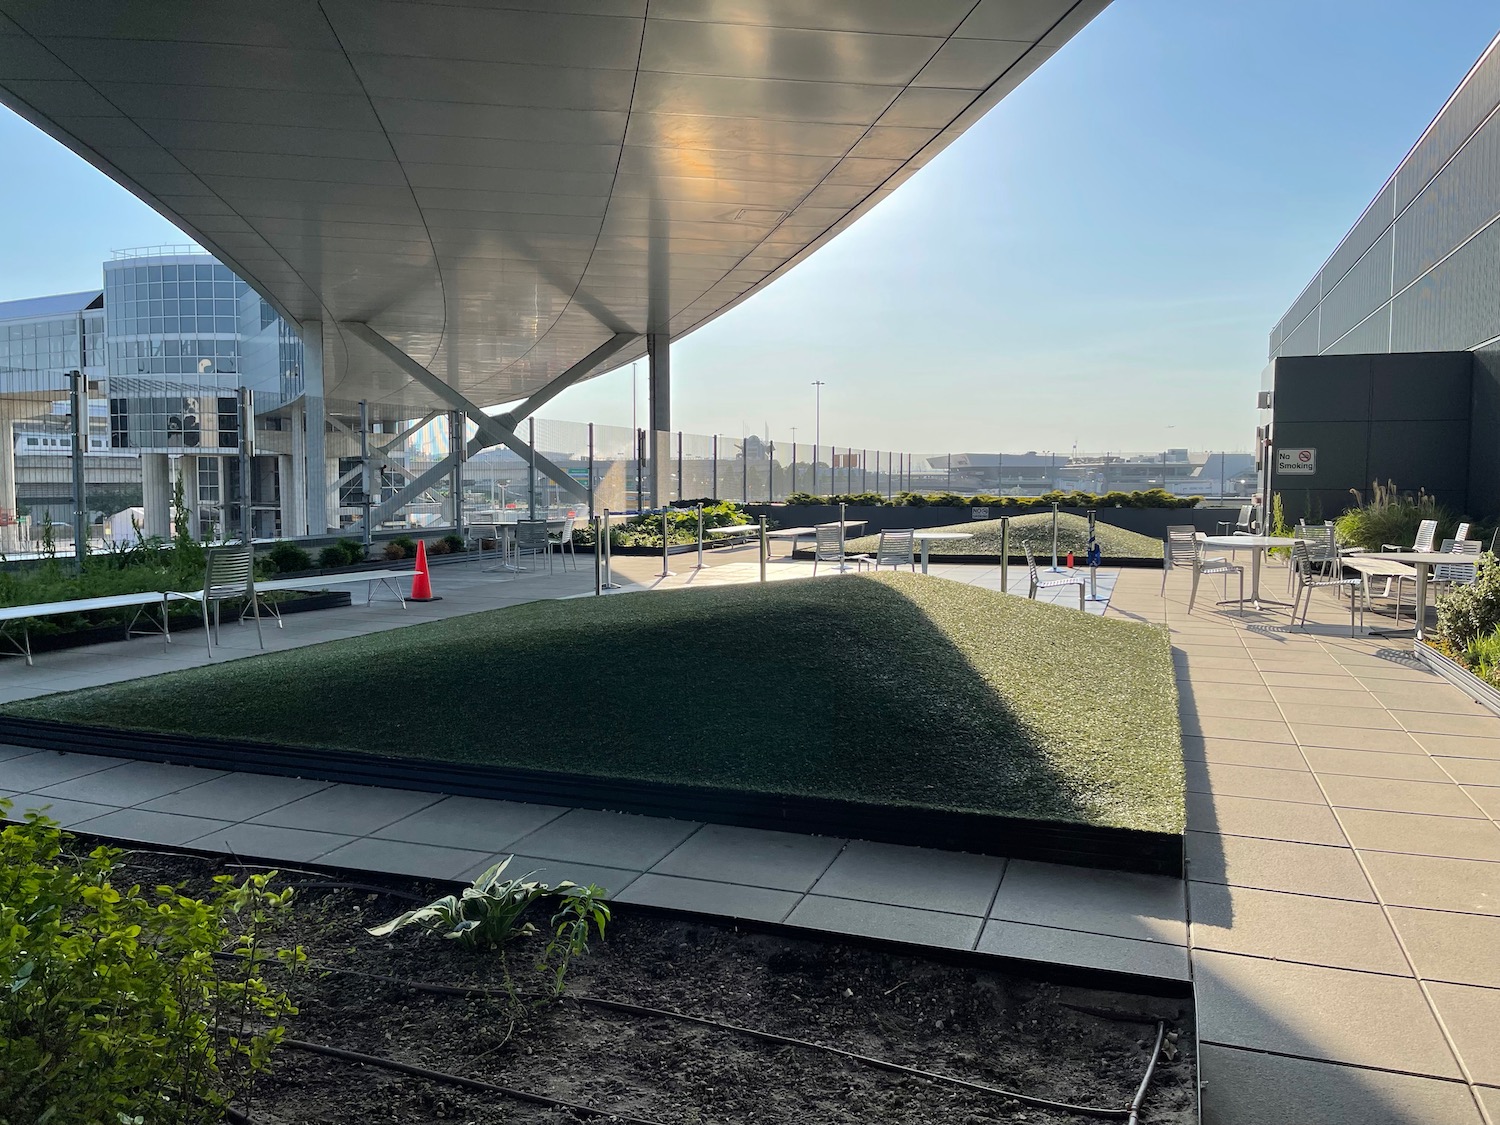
x=881, y=920
x=404, y=858
x=731, y=900
x=1471, y=1016
x=1491, y=1099
x=1088, y=950
x=1350, y=718
x=1451, y=837
x=1374, y=763
x=151, y=827
x=37, y=771
x=353, y=810
x=65, y=813
x=918, y=877
x=9, y=752
x=781, y=860
x=1269, y=820
x=1461, y=948
x=1463, y=885
x=1254, y=781
x=1247, y=730
x=1479, y=724
x=1204, y=691
x=470, y=822
x=1277, y=865
x=1364, y=1019
x=236, y=796
x=606, y=839
x=1251, y=1088
x=266, y=841
x=131, y=783
x=1237, y=752
x=1117, y=903
x=1288, y=927
x=1346, y=694
x=614, y=880
x=1439, y=798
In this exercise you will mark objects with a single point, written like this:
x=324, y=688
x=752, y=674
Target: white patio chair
x=1456, y=574
x=1462, y=533
x=896, y=549
x=532, y=540
x=561, y=538
x=1426, y=533
x=1240, y=526
x=1040, y=583
x=828, y=546
x=1309, y=580
x=228, y=573
x=1183, y=550
x=1322, y=548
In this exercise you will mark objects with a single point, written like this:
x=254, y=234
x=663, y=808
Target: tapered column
x=317, y=482
x=659, y=469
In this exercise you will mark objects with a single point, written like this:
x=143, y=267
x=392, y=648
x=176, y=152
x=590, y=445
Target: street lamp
x=818, y=430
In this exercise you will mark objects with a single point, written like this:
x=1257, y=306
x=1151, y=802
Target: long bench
x=142, y=602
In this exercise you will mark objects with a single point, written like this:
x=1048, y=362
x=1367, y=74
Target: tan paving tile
x=1471, y=771
x=1251, y=730
x=1458, y=745
x=1350, y=718
x=1463, y=948
x=1357, y=738
x=1226, y=675
x=1471, y=1016
x=1414, y=696
x=1439, y=798
x=1335, y=679
x=1256, y=691
x=1486, y=797
x=1269, y=820
x=1464, y=885
x=1374, y=763
x=1476, y=725
x=1276, y=865
x=1287, y=927
x=1221, y=708
x=1254, y=781
x=1365, y=1019
x=1445, y=836
x=1234, y=751
x=1353, y=696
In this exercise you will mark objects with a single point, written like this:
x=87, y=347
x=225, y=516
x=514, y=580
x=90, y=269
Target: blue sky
x=1098, y=260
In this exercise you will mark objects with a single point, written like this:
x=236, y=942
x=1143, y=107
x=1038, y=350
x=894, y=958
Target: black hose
x=1140, y=1094
x=460, y=1080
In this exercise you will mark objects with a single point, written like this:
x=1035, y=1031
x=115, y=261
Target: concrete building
x=1387, y=367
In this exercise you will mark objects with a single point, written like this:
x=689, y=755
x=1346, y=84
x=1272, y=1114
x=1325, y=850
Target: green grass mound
x=1072, y=535
x=893, y=689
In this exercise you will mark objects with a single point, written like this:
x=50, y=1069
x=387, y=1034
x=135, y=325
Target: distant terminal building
x=1178, y=471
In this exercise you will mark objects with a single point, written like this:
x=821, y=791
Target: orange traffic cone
x=421, y=585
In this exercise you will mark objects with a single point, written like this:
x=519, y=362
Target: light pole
x=817, y=428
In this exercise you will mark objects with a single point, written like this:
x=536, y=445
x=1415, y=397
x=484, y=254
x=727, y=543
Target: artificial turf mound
x=894, y=689
x=1072, y=535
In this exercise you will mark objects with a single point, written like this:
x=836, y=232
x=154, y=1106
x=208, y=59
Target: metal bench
x=385, y=578
x=143, y=603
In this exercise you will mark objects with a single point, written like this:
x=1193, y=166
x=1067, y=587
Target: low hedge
x=1151, y=498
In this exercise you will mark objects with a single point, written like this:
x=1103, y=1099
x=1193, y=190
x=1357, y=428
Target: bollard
x=765, y=548
x=1054, y=536
x=666, y=571
x=598, y=557
x=700, y=538
x=1004, y=554
x=843, y=566
x=604, y=544
x=1094, y=557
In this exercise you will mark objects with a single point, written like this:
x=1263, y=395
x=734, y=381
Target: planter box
x=1460, y=677
x=1152, y=522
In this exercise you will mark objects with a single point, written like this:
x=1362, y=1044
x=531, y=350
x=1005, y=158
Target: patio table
x=1423, y=562
x=926, y=537
x=1257, y=545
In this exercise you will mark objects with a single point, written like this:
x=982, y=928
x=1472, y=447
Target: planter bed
x=1476, y=688
x=960, y=1016
x=805, y=554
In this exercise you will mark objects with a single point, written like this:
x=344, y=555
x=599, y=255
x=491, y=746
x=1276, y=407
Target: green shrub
x=1151, y=498
x=332, y=557
x=394, y=551
x=288, y=558
x=114, y=1008
x=1482, y=655
x=354, y=551
x=1390, y=517
x=682, y=526
x=455, y=544
x=1467, y=613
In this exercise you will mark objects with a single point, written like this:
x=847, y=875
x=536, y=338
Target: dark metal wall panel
x=1362, y=290
x=1456, y=305
x=1469, y=106
x=1462, y=199
x=1484, y=432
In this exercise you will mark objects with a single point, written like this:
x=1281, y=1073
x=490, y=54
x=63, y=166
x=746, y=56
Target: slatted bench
x=144, y=603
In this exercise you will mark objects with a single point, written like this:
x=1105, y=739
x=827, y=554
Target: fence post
x=591, y=472
x=744, y=471
x=603, y=544
x=1005, y=554
x=531, y=467
x=1093, y=553
x=1054, y=535
x=793, y=488
x=716, y=466
x=765, y=548
x=78, y=392
x=770, y=472
x=679, y=465
x=666, y=571
x=700, y=538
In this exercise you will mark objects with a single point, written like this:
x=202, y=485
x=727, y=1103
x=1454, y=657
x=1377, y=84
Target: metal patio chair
x=1242, y=525
x=1456, y=574
x=1462, y=533
x=828, y=547
x=1040, y=583
x=561, y=538
x=1182, y=549
x=1426, y=533
x=228, y=574
x=532, y=539
x=896, y=549
x=1309, y=580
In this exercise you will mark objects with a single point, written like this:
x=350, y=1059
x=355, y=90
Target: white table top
x=732, y=529
x=935, y=535
x=80, y=605
x=1246, y=542
x=1431, y=558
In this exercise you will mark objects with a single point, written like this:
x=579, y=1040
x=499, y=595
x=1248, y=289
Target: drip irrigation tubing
x=1131, y=1114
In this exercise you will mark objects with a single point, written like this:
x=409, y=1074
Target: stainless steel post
x=598, y=553
x=842, y=509
x=716, y=466
x=1093, y=561
x=364, y=472
x=666, y=571
x=793, y=486
x=745, y=471
x=680, y=497
x=604, y=544
x=79, y=396
x=700, y=538
x=1005, y=554
x=765, y=548
x=771, y=472
x=591, y=470
x=1054, y=535
x=247, y=464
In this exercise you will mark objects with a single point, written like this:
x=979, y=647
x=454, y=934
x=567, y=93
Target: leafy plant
x=114, y=1007
x=1150, y=498
x=1390, y=516
x=579, y=907
x=1467, y=613
x=288, y=558
x=454, y=543
x=332, y=557
x=394, y=551
x=1482, y=655
x=353, y=550
x=682, y=526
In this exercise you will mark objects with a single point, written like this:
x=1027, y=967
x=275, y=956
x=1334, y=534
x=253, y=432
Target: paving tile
x=1232, y=708
x=1479, y=724
x=1471, y=771
x=1254, y=691
x=1414, y=834
x=1350, y=718
x=470, y=822
x=1237, y=752
x=613, y=879
x=1250, y=1088
x=607, y=839
x=1277, y=865
x=9, y=752
x=1304, y=696
x=919, y=877
x=131, y=783
x=1471, y=1016
x=729, y=900
x=1465, y=885
x=152, y=827
x=236, y=795
x=1364, y=1019
x=1462, y=948
x=1249, y=730
x=353, y=810
x=1491, y=1099
x=64, y=813
x=1117, y=903
x=1335, y=679
x=1074, y=947
x=880, y=920
x=1374, y=763
x=404, y=858
x=1454, y=745
x=1363, y=738
x=37, y=771
x=1270, y=820
x=1289, y=927
x=1486, y=797
x=265, y=841
x=1230, y=672
x=1254, y=781
x=1436, y=798
x=783, y=860
x=1435, y=695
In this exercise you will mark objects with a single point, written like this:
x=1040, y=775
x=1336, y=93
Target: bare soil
x=987, y=1025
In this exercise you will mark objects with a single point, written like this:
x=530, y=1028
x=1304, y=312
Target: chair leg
x=208, y=633
x=1080, y=595
x=1242, y=590
x=255, y=609
x=1193, y=594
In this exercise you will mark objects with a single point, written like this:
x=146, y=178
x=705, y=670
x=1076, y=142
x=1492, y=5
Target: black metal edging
x=1122, y=849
